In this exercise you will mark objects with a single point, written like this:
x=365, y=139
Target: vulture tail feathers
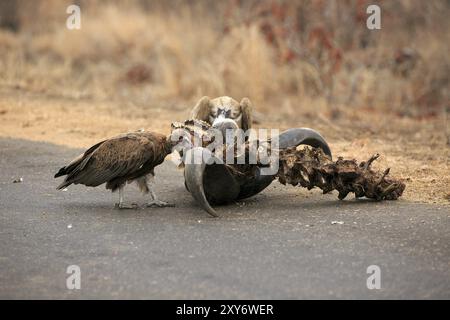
x=75, y=166
x=64, y=184
x=61, y=172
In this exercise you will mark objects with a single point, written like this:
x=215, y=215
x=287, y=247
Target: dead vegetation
x=277, y=52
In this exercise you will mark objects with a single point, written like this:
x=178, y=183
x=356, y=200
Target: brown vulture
x=120, y=160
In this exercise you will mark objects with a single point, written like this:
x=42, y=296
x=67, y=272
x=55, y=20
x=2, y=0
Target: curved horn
x=208, y=182
x=297, y=136
x=193, y=175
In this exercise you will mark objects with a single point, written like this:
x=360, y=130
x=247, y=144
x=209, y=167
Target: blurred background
x=301, y=62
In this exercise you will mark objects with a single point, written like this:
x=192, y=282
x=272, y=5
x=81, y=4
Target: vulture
x=121, y=160
x=224, y=113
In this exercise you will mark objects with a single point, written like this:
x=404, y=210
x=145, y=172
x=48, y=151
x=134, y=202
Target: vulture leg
x=155, y=202
x=121, y=204
x=158, y=203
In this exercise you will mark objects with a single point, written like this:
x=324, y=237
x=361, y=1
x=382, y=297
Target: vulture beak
x=224, y=125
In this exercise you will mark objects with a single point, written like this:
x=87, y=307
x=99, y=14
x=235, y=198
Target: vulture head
x=180, y=139
x=224, y=113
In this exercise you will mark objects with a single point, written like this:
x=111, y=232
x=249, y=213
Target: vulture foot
x=159, y=204
x=122, y=205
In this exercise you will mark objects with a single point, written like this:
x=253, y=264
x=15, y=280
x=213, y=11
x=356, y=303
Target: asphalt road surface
x=281, y=244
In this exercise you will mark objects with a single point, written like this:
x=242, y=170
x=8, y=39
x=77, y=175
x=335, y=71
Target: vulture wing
x=114, y=161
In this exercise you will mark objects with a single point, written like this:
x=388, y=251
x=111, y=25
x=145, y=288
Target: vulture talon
x=122, y=206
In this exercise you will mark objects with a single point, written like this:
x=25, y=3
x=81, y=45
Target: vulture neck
x=169, y=145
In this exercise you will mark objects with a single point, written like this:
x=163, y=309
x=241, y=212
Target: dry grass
x=198, y=49
x=303, y=63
